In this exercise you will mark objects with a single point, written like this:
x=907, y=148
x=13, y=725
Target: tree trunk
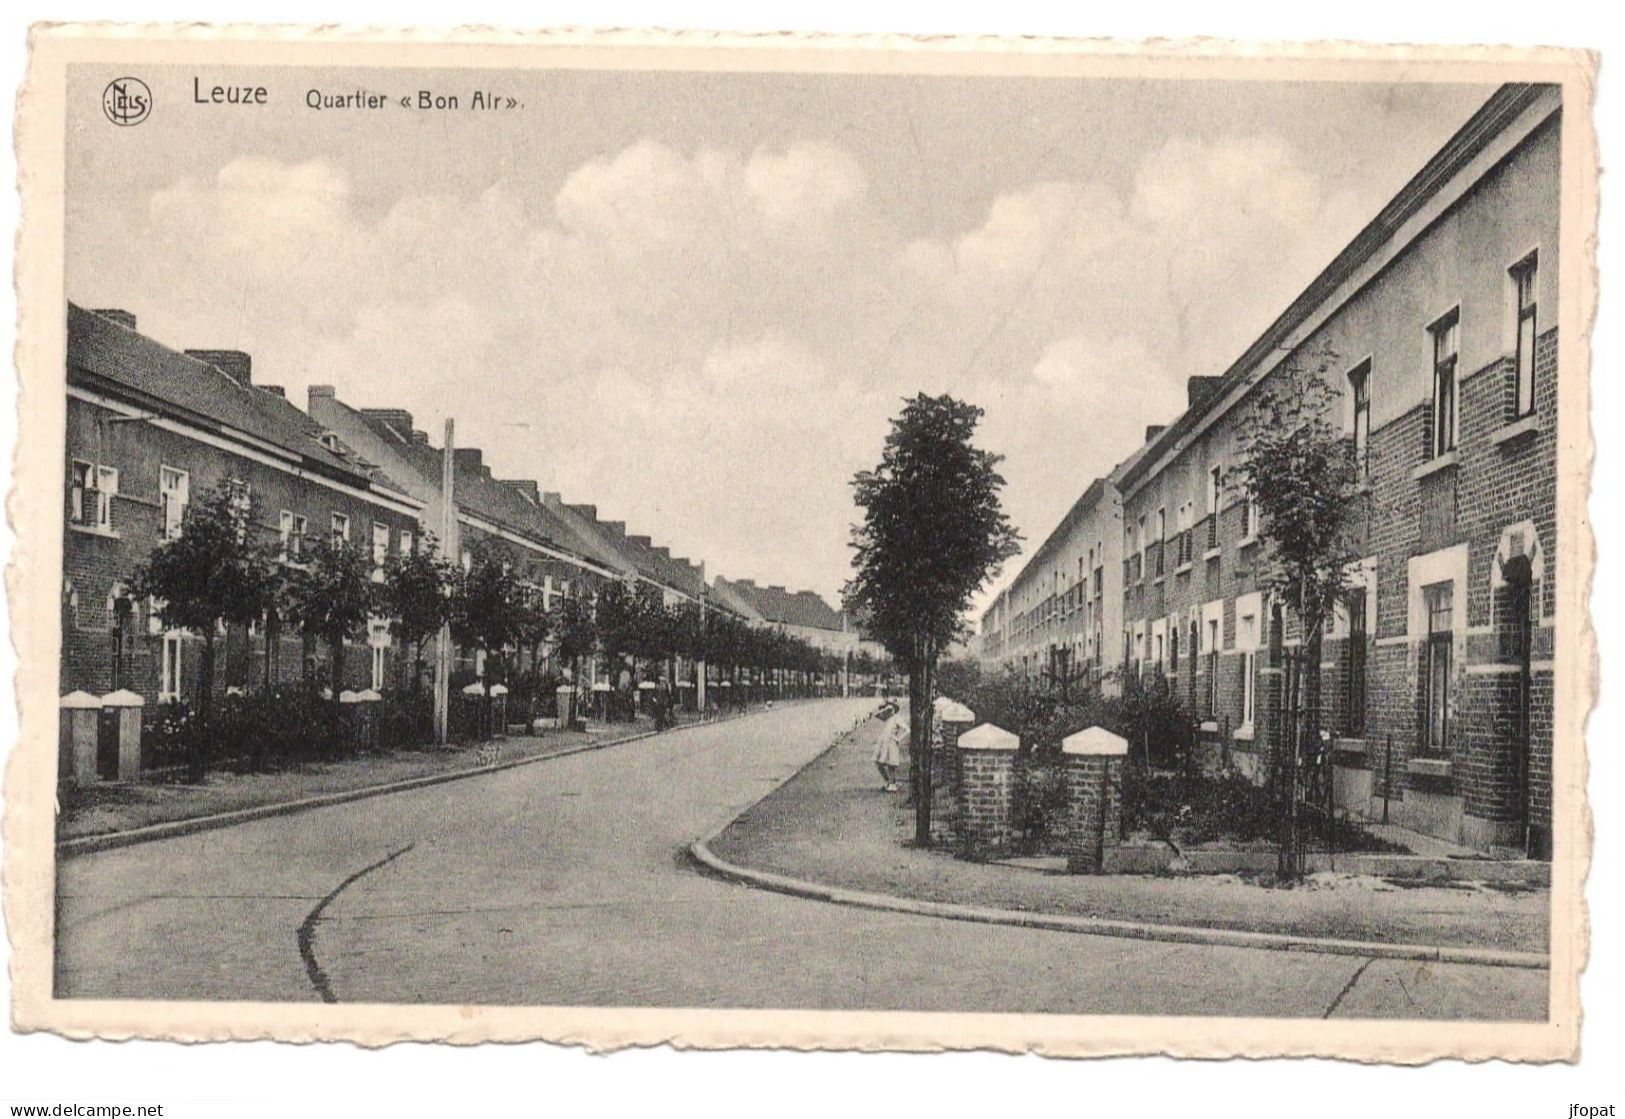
x=197, y=745
x=335, y=668
x=922, y=809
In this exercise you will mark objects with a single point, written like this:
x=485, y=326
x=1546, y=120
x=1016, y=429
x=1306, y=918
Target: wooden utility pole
x=448, y=541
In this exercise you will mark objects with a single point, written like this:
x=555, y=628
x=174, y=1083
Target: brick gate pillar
x=76, y=742
x=127, y=708
x=987, y=757
x=1092, y=761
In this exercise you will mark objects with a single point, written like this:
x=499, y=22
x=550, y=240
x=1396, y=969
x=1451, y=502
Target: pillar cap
x=1096, y=741
x=952, y=711
x=123, y=698
x=80, y=701
x=988, y=737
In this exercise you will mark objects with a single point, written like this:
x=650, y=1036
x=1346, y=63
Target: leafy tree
x=1298, y=470
x=487, y=611
x=215, y=572
x=574, y=633
x=330, y=596
x=417, y=595
x=933, y=533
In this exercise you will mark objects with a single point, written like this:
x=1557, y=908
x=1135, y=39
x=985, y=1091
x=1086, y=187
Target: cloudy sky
x=697, y=300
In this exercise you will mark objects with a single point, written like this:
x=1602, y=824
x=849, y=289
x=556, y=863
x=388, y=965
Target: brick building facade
x=151, y=429
x=1436, y=676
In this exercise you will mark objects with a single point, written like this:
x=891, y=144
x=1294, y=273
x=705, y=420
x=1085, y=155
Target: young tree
x=215, y=572
x=574, y=634
x=487, y=611
x=1298, y=470
x=933, y=533
x=330, y=596
x=417, y=596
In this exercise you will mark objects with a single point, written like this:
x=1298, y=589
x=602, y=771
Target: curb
x=709, y=861
x=107, y=841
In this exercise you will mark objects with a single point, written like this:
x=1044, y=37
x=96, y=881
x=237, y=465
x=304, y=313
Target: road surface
x=565, y=883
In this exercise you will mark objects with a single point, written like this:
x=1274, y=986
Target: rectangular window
x=1162, y=539
x=292, y=530
x=341, y=529
x=169, y=673
x=174, y=489
x=1247, y=639
x=1446, y=345
x=380, y=543
x=1213, y=666
x=377, y=668
x=1523, y=284
x=1249, y=693
x=81, y=481
x=1215, y=490
x=408, y=544
x=1354, y=715
x=1438, y=600
x=1360, y=394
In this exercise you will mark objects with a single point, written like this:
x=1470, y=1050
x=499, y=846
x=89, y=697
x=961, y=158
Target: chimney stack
x=469, y=460
x=1199, y=389
x=233, y=363
x=320, y=392
x=419, y=438
x=275, y=390
x=528, y=490
x=397, y=420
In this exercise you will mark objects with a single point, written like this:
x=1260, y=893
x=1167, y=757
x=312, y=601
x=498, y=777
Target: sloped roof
x=105, y=353
x=724, y=594
x=794, y=608
x=480, y=495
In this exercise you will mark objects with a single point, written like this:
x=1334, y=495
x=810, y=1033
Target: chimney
x=398, y=420
x=113, y=314
x=275, y=390
x=663, y=553
x=468, y=460
x=778, y=590
x=1154, y=430
x=320, y=392
x=553, y=499
x=751, y=583
x=419, y=438
x=530, y=491
x=1199, y=389
x=588, y=511
x=640, y=541
x=233, y=363
x=614, y=528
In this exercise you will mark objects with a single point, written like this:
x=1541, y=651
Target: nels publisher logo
x=126, y=101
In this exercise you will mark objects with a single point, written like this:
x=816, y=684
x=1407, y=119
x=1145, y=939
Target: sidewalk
x=832, y=825
x=104, y=809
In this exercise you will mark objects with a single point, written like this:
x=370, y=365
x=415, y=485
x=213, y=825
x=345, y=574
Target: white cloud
x=709, y=343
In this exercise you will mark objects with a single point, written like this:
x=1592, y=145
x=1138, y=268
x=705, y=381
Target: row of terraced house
x=150, y=428
x=1437, y=674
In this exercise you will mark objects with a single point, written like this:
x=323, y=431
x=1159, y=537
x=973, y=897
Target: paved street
x=565, y=883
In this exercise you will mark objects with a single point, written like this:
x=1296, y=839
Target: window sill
x=1247, y=541
x=92, y=530
x=1244, y=733
x=1210, y=726
x=1212, y=553
x=1429, y=767
x=1515, y=430
x=1183, y=569
x=1438, y=464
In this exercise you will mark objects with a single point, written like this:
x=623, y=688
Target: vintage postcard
x=874, y=543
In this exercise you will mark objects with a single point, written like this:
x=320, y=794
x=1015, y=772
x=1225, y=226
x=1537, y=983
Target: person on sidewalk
x=889, y=748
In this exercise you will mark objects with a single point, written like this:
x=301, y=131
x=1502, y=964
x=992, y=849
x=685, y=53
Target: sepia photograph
x=1075, y=550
